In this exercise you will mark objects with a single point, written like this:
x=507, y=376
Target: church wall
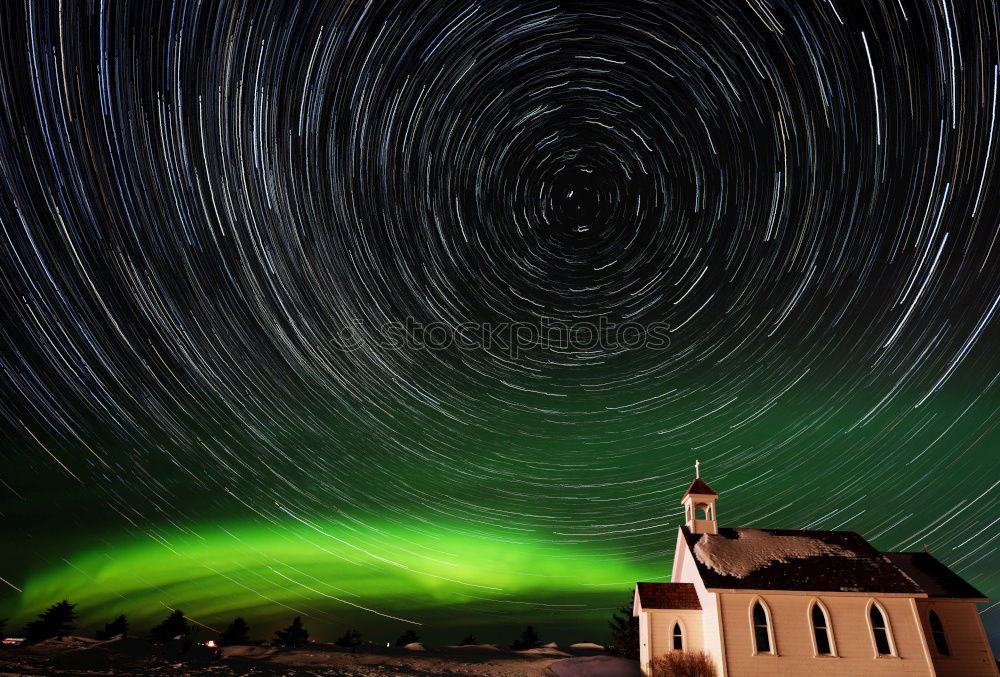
x=686, y=571
x=644, y=629
x=963, y=630
x=662, y=628
x=793, y=637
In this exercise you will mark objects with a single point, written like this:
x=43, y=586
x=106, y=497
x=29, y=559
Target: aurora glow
x=203, y=201
x=332, y=574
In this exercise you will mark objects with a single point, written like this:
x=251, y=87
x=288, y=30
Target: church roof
x=791, y=559
x=668, y=596
x=699, y=486
x=934, y=578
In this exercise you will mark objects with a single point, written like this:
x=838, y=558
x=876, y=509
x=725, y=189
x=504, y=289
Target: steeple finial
x=697, y=469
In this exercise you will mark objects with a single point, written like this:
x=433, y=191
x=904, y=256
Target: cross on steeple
x=697, y=469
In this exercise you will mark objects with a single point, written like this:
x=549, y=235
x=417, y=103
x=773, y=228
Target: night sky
x=283, y=286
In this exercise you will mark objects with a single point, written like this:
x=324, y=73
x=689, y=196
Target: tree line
x=59, y=621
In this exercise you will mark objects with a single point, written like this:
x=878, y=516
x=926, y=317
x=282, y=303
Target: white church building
x=794, y=602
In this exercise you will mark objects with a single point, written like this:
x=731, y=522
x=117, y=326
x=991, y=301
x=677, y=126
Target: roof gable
x=700, y=486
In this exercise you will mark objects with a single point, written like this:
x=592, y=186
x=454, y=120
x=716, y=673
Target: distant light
x=211, y=643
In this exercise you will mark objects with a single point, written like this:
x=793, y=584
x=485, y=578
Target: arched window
x=761, y=628
x=678, y=637
x=937, y=630
x=821, y=630
x=880, y=630
x=701, y=511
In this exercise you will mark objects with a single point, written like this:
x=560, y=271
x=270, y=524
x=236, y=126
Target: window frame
x=931, y=613
x=678, y=626
x=773, y=646
x=893, y=652
x=815, y=603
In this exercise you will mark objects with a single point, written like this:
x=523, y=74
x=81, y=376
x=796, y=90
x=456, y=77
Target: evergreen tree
x=175, y=624
x=470, y=639
x=625, y=633
x=527, y=640
x=56, y=621
x=407, y=637
x=293, y=636
x=237, y=633
x=119, y=626
x=351, y=638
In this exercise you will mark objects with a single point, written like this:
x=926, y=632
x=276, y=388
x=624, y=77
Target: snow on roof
x=848, y=563
x=754, y=549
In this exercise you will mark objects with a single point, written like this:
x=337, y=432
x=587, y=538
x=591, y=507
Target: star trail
x=398, y=313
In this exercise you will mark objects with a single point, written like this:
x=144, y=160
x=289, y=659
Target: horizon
x=555, y=621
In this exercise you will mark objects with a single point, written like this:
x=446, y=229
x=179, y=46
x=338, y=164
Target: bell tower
x=699, y=505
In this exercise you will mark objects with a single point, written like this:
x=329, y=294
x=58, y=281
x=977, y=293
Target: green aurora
x=333, y=577
x=387, y=561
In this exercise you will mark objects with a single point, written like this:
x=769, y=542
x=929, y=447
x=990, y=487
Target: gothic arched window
x=678, y=637
x=880, y=630
x=761, y=628
x=821, y=630
x=937, y=630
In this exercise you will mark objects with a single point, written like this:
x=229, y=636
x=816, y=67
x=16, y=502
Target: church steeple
x=699, y=505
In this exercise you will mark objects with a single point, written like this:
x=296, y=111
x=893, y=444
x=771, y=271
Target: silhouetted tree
x=293, y=636
x=407, y=637
x=527, y=640
x=351, y=638
x=238, y=632
x=119, y=626
x=624, y=633
x=175, y=624
x=470, y=639
x=56, y=621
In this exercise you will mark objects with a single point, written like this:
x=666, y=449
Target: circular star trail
x=422, y=311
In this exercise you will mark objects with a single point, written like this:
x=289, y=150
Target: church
x=795, y=602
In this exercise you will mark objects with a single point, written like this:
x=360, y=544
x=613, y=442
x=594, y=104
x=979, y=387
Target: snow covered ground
x=79, y=657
